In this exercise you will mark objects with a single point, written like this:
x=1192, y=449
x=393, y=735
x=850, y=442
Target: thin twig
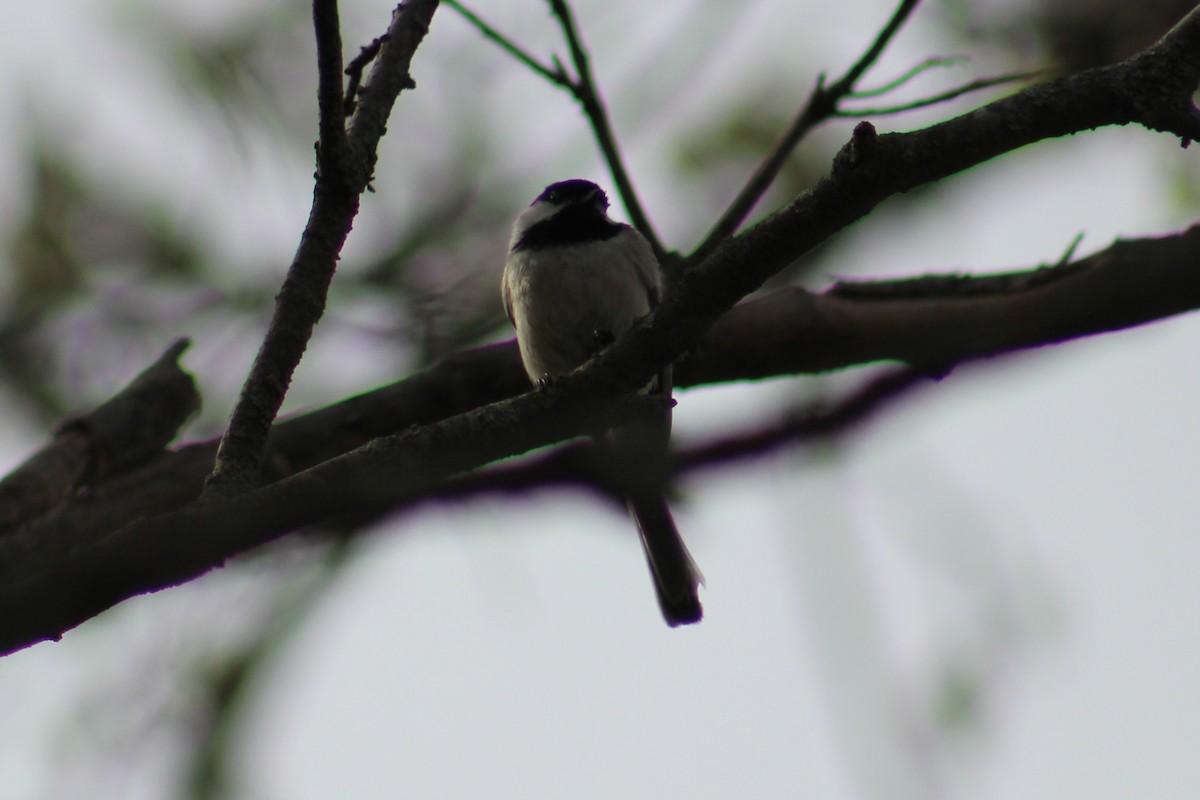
x=583, y=88
x=899, y=17
x=331, y=150
x=354, y=71
x=951, y=94
x=820, y=106
x=555, y=74
x=1069, y=254
x=924, y=66
x=585, y=91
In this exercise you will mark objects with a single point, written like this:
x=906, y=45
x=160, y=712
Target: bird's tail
x=676, y=577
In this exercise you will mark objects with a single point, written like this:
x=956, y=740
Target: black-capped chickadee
x=574, y=281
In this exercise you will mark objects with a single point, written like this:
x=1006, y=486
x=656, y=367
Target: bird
x=573, y=282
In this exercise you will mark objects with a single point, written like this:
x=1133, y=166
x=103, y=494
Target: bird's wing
x=646, y=265
x=506, y=293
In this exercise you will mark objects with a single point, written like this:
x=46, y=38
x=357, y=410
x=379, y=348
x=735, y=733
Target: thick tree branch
x=1130, y=283
x=386, y=473
x=131, y=427
x=603, y=470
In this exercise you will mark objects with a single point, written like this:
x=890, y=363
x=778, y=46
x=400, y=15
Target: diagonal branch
x=1153, y=89
x=132, y=427
x=344, y=167
x=941, y=97
x=387, y=473
x=934, y=62
x=554, y=74
x=601, y=469
x=820, y=106
x=805, y=426
x=868, y=58
x=585, y=91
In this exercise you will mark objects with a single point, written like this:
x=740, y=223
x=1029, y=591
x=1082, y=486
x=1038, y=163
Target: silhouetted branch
x=354, y=72
x=934, y=62
x=345, y=164
x=588, y=95
x=131, y=427
x=331, y=150
x=1153, y=89
x=387, y=473
x=941, y=97
x=46, y=565
x=602, y=469
x=555, y=74
x=805, y=425
x=583, y=88
x=820, y=106
x=936, y=321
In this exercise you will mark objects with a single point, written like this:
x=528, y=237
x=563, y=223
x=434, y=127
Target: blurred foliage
x=88, y=265
x=1073, y=34
x=73, y=241
x=243, y=68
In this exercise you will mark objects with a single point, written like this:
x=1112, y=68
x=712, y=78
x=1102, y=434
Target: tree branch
x=585, y=91
x=331, y=149
x=793, y=331
x=1153, y=89
x=387, y=473
x=554, y=74
x=345, y=164
x=820, y=106
x=131, y=427
x=603, y=470
x=941, y=97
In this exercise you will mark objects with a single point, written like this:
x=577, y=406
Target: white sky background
x=1028, y=526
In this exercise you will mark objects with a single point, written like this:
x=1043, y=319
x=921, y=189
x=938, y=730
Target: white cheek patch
x=538, y=212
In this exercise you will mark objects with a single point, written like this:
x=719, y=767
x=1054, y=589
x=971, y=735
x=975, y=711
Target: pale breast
x=562, y=297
